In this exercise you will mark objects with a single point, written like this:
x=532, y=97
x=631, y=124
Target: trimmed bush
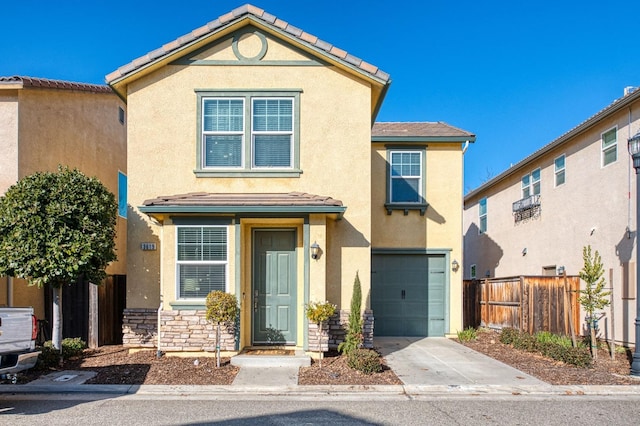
x=365, y=360
x=509, y=335
x=51, y=357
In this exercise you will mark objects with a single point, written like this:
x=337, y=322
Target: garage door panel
x=408, y=295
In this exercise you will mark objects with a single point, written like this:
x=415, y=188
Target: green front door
x=274, y=287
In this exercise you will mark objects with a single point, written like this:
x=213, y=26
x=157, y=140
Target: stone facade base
x=181, y=331
x=335, y=329
x=189, y=331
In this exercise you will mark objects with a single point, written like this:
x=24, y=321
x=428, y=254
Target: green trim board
x=242, y=60
x=261, y=211
x=201, y=220
x=188, y=306
x=238, y=275
x=405, y=250
x=403, y=205
x=201, y=173
x=306, y=243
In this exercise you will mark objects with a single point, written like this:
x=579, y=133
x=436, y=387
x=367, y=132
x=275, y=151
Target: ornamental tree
x=55, y=229
x=318, y=313
x=222, y=308
x=593, y=297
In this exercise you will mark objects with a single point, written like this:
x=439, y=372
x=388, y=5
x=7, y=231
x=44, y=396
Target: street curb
x=380, y=390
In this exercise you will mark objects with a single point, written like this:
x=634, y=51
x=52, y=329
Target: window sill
x=188, y=305
x=422, y=207
x=257, y=173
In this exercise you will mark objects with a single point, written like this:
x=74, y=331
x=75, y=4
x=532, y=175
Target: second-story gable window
x=248, y=132
x=406, y=177
x=272, y=132
x=609, y=147
x=531, y=184
x=482, y=216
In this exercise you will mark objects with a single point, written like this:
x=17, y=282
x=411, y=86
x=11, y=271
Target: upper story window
x=531, y=184
x=560, y=170
x=483, y=216
x=406, y=183
x=609, y=147
x=201, y=260
x=253, y=133
x=406, y=177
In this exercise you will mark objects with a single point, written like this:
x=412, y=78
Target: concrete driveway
x=441, y=361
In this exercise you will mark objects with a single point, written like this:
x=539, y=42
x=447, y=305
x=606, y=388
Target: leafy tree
x=222, y=308
x=354, y=338
x=593, y=297
x=55, y=229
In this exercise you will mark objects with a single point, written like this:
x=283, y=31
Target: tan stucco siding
x=440, y=227
x=335, y=158
x=8, y=140
x=76, y=129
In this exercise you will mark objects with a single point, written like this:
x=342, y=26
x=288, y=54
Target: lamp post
x=634, y=150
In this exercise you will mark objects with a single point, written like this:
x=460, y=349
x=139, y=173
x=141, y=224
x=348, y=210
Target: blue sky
x=517, y=74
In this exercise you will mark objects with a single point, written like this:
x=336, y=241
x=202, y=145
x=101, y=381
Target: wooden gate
x=528, y=303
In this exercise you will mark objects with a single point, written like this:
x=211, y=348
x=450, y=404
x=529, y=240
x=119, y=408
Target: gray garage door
x=408, y=294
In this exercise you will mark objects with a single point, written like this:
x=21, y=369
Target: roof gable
x=196, y=40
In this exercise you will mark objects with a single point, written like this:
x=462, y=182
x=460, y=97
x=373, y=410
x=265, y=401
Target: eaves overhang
x=270, y=210
x=612, y=108
x=423, y=139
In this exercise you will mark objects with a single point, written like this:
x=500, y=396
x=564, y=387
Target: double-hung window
x=482, y=216
x=406, y=181
x=560, y=170
x=201, y=260
x=531, y=184
x=248, y=132
x=609, y=147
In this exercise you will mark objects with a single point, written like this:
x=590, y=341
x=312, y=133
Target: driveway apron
x=441, y=361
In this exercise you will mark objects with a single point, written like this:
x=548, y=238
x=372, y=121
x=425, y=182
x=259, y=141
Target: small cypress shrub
x=364, y=360
x=354, y=337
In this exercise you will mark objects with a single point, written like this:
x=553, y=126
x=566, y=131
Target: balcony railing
x=526, y=203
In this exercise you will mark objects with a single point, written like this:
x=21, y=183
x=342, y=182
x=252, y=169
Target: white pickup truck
x=18, y=331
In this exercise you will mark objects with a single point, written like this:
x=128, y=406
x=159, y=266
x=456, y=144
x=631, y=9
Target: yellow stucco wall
x=441, y=226
x=335, y=158
x=47, y=127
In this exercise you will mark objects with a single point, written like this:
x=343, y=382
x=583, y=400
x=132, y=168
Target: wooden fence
x=528, y=303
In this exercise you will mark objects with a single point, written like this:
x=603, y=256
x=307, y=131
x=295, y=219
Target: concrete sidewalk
x=428, y=367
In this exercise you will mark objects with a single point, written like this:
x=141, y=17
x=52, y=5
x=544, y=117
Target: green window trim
x=202, y=260
x=560, y=170
x=482, y=227
x=404, y=164
x=242, y=135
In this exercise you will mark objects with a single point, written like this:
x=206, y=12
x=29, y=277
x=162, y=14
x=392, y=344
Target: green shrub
x=50, y=357
x=365, y=360
x=467, y=334
x=547, y=336
x=354, y=337
x=509, y=335
x=525, y=342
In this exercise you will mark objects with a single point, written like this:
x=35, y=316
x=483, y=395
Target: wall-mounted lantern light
x=315, y=250
x=455, y=265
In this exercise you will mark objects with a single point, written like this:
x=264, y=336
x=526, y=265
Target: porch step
x=271, y=360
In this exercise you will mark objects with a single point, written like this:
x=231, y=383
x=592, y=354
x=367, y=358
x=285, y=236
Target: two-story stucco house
x=254, y=169
x=45, y=123
x=578, y=190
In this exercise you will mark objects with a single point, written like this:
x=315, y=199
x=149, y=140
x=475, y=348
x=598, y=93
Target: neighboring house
x=250, y=143
x=536, y=217
x=45, y=123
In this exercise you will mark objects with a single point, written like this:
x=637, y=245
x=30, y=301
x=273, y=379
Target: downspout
x=464, y=148
x=629, y=182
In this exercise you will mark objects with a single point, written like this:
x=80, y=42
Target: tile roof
x=54, y=84
x=262, y=16
x=206, y=199
x=417, y=129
